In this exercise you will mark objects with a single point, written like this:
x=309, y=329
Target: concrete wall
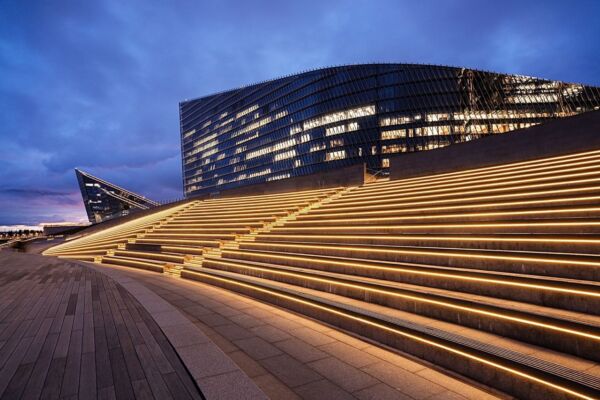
x=557, y=137
x=344, y=176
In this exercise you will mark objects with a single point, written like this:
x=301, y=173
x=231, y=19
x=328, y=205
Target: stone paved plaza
x=71, y=330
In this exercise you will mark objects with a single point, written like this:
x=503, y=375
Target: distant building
x=104, y=200
x=334, y=117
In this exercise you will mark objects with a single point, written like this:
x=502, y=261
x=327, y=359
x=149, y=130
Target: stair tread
x=453, y=333
x=541, y=311
x=472, y=272
x=142, y=260
x=560, y=256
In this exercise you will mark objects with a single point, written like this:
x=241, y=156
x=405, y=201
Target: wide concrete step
x=585, y=267
x=466, y=188
x=517, y=214
x=88, y=249
x=179, y=242
x=269, y=198
x=241, y=205
x=97, y=252
x=244, y=210
x=134, y=263
x=564, y=331
x=568, y=294
x=200, y=236
x=157, y=256
x=80, y=257
x=567, y=226
x=566, y=176
x=485, y=357
x=226, y=217
x=523, y=242
x=465, y=197
x=234, y=229
x=367, y=210
x=201, y=224
x=214, y=229
x=554, y=165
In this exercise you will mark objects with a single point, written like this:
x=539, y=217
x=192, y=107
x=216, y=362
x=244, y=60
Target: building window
x=339, y=116
x=335, y=155
x=394, y=134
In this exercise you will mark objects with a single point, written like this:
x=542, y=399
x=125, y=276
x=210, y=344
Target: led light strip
x=492, y=180
x=116, y=230
x=466, y=225
x=543, y=169
x=442, y=194
x=390, y=209
x=465, y=215
x=399, y=332
x=430, y=237
x=420, y=272
x=386, y=203
x=431, y=253
x=416, y=298
x=510, y=166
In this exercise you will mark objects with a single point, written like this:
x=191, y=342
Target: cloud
x=96, y=85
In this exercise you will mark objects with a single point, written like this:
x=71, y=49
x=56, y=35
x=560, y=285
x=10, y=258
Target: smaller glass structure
x=104, y=200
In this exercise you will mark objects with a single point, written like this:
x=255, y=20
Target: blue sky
x=96, y=84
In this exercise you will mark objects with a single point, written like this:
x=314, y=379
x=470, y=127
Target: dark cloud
x=96, y=84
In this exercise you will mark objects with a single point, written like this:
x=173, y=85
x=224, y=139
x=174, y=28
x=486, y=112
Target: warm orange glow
x=465, y=215
x=405, y=334
x=391, y=209
x=542, y=170
x=417, y=298
x=397, y=268
x=386, y=203
x=433, y=253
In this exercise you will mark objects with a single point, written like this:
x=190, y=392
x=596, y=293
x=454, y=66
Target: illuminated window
x=395, y=120
x=278, y=177
x=393, y=148
x=335, y=155
x=437, y=117
x=395, y=134
x=385, y=163
x=317, y=147
x=285, y=155
x=477, y=128
x=246, y=111
x=335, y=130
x=339, y=116
x=336, y=142
x=189, y=133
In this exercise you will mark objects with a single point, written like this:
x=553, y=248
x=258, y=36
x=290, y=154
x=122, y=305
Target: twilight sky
x=96, y=84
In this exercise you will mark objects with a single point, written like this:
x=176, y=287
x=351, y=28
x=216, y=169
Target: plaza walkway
x=71, y=330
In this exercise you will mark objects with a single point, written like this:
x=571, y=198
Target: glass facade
x=104, y=200
x=333, y=117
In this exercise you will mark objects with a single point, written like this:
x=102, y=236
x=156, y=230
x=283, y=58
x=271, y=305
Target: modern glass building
x=333, y=117
x=104, y=200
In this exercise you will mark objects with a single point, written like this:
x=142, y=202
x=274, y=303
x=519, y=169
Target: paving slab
x=71, y=336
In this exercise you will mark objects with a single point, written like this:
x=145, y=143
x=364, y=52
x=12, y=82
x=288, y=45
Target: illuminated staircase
x=493, y=273
x=92, y=246
x=165, y=241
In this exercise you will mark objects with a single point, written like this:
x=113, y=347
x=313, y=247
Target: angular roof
x=104, y=200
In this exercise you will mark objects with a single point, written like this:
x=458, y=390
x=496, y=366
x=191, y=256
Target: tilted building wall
x=334, y=117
